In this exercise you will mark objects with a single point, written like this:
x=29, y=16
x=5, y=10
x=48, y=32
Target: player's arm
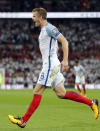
x=54, y=33
x=64, y=43
x=74, y=72
x=84, y=72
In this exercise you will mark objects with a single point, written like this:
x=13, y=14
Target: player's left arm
x=54, y=33
x=84, y=72
x=64, y=43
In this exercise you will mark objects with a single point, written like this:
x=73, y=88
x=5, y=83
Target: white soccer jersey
x=50, y=74
x=79, y=70
x=48, y=41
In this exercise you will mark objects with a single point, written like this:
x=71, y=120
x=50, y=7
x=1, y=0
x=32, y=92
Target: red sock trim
x=84, y=89
x=77, y=97
x=32, y=107
x=78, y=88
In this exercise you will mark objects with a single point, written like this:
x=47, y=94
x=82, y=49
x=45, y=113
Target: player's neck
x=43, y=23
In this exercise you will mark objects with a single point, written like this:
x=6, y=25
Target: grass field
x=53, y=114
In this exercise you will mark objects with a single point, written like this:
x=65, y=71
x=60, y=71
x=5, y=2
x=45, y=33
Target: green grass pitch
x=53, y=113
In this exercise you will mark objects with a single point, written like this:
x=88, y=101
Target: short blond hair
x=41, y=11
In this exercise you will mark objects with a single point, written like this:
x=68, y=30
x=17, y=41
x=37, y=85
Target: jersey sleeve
x=52, y=31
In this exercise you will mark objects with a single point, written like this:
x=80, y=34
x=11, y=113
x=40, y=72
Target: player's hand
x=64, y=66
x=81, y=75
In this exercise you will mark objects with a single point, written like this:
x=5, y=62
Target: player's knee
x=61, y=95
x=36, y=91
x=39, y=89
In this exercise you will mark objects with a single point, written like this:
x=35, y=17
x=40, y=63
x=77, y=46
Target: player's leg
x=78, y=88
x=71, y=95
x=83, y=85
x=62, y=93
x=39, y=89
x=84, y=89
x=77, y=81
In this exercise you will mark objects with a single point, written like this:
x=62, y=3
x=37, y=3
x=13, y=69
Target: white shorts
x=50, y=76
x=80, y=80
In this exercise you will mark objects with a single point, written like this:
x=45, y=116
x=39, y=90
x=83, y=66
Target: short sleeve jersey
x=79, y=70
x=48, y=41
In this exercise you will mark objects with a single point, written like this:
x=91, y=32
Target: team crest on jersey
x=42, y=76
x=55, y=31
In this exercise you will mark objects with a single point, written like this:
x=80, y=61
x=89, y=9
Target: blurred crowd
x=16, y=32
x=50, y=5
x=21, y=63
x=20, y=56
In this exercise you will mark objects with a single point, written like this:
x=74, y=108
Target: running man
x=50, y=74
x=79, y=77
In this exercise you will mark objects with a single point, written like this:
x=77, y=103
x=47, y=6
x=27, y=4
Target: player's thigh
x=60, y=90
x=39, y=89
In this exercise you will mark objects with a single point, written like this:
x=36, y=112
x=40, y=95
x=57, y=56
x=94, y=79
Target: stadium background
x=21, y=59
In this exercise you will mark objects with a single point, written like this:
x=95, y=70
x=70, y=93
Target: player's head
x=76, y=62
x=39, y=14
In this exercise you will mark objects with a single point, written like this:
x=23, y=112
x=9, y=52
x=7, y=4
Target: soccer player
x=79, y=77
x=50, y=74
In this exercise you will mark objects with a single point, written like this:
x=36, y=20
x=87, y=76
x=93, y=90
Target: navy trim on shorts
x=49, y=61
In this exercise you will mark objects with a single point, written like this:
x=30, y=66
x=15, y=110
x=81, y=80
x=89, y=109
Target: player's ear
x=41, y=18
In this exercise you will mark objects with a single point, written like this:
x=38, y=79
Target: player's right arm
x=74, y=71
